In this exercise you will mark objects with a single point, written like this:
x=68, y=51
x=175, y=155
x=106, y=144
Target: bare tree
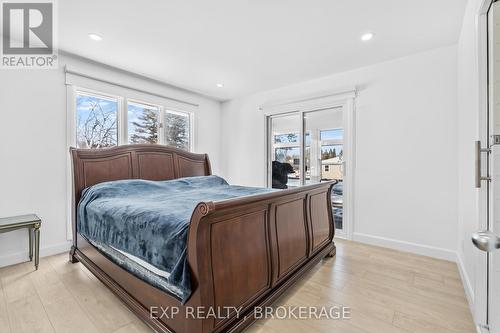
x=98, y=130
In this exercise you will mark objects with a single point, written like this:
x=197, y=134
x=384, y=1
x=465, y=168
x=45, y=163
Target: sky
x=83, y=105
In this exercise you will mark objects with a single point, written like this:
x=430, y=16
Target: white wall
x=406, y=174
x=468, y=103
x=33, y=148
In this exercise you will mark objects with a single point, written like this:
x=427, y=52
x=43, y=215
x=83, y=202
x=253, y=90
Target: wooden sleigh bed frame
x=242, y=252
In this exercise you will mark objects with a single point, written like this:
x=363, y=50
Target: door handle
x=478, y=176
x=486, y=241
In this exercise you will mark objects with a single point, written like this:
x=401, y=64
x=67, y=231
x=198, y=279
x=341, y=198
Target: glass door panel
x=324, y=153
x=285, y=150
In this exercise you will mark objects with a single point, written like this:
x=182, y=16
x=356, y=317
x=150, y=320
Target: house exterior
x=331, y=168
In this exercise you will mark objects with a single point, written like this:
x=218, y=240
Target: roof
x=333, y=160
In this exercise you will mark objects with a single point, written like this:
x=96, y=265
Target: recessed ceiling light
x=219, y=85
x=95, y=37
x=366, y=37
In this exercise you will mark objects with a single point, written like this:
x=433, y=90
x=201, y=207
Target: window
x=143, y=123
x=287, y=150
x=96, y=121
x=286, y=138
x=332, y=153
x=104, y=121
x=287, y=155
x=334, y=134
x=177, y=129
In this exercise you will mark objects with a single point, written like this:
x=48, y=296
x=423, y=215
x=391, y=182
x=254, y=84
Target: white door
x=494, y=129
x=488, y=161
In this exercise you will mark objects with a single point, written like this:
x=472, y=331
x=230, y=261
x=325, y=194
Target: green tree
x=146, y=128
x=177, y=130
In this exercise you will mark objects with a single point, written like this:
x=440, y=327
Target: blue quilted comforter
x=150, y=219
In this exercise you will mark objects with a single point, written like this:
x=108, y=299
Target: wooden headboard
x=144, y=161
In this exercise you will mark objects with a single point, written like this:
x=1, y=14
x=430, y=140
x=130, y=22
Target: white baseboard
x=425, y=250
x=18, y=257
x=469, y=292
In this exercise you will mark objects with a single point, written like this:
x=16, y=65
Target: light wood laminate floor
x=387, y=291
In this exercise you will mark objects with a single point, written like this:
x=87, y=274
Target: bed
x=241, y=251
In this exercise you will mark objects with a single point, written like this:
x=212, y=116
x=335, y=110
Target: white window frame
x=72, y=93
x=122, y=115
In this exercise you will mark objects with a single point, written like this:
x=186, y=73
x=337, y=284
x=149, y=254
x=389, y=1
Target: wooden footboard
x=245, y=252
x=242, y=253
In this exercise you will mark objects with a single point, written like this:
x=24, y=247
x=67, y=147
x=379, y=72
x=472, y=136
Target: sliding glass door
x=307, y=148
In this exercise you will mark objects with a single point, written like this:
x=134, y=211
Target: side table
x=30, y=222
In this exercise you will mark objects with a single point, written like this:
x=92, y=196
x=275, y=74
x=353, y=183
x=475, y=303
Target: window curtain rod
x=71, y=70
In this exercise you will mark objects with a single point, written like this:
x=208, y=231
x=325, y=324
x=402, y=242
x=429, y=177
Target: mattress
x=140, y=268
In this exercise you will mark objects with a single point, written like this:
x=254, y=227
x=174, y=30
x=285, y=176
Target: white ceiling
x=252, y=45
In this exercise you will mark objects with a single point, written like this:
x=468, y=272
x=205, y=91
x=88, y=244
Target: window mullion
x=302, y=141
x=191, y=131
x=123, y=121
x=161, y=125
